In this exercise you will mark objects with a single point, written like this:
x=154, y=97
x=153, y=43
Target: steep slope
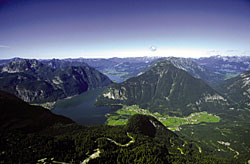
x=17, y=114
x=238, y=88
x=165, y=89
x=35, y=82
x=196, y=70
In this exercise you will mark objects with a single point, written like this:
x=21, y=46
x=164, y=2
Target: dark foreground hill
x=35, y=82
x=17, y=114
x=165, y=89
x=31, y=134
x=102, y=144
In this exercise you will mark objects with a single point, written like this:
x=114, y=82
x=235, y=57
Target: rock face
x=165, y=89
x=197, y=71
x=35, y=82
x=238, y=89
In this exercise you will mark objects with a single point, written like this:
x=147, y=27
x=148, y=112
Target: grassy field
x=121, y=116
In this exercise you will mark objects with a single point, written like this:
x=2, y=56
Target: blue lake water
x=81, y=108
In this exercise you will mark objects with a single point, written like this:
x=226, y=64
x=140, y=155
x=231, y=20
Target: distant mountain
x=17, y=114
x=212, y=70
x=131, y=67
x=117, y=69
x=120, y=69
x=165, y=89
x=196, y=70
x=6, y=61
x=36, y=82
x=112, y=62
x=238, y=88
x=61, y=63
x=229, y=66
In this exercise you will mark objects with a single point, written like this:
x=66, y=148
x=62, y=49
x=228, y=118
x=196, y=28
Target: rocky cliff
x=35, y=82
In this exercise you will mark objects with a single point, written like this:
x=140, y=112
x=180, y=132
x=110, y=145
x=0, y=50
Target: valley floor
x=173, y=123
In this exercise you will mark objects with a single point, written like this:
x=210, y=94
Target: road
x=97, y=151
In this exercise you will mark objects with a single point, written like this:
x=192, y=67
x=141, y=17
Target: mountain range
x=166, y=89
x=196, y=70
x=169, y=86
x=121, y=69
x=41, y=81
x=35, y=82
x=229, y=66
x=117, y=69
x=212, y=69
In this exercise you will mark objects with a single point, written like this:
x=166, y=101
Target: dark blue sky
x=105, y=28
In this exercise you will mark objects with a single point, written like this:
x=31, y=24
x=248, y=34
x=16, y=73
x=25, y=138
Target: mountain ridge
x=196, y=70
x=212, y=70
x=164, y=88
x=35, y=82
x=229, y=66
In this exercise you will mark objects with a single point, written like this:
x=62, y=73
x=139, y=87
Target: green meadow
x=121, y=116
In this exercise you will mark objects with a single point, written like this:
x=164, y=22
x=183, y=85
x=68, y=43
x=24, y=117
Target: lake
x=81, y=108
